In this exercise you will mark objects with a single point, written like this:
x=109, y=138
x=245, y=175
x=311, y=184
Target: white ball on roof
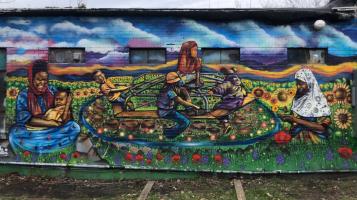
x=319, y=24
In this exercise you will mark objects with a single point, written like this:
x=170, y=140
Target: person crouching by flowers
x=311, y=113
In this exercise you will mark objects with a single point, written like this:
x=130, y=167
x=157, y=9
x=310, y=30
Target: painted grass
x=265, y=156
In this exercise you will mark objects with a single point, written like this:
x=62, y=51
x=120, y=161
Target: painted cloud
x=127, y=30
x=99, y=45
x=67, y=26
x=205, y=36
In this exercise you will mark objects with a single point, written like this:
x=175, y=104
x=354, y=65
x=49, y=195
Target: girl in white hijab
x=311, y=112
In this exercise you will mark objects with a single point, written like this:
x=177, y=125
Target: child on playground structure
x=189, y=64
x=167, y=101
x=115, y=95
x=61, y=112
x=232, y=97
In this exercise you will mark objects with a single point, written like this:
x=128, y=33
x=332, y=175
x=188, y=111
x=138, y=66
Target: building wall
x=262, y=137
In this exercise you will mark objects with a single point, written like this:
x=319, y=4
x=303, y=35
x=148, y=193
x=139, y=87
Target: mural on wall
x=262, y=114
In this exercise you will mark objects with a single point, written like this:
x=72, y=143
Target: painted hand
x=196, y=107
x=54, y=123
x=288, y=118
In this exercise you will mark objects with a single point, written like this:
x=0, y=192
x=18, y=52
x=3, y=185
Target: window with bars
x=220, y=55
x=147, y=55
x=66, y=55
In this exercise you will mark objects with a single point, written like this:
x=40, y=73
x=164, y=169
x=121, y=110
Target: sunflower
x=275, y=108
x=341, y=92
x=12, y=92
x=330, y=98
x=283, y=97
x=343, y=118
x=86, y=92
x=292, y=92
x=258, y=92
x=77, y=94
x=94, y=91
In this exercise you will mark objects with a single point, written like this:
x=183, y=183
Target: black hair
x=39, y=66
x=226, y=71
x=67, y=91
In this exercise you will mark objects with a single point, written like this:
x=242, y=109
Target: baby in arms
x=61, y=112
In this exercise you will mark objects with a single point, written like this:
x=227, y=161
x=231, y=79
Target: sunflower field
x=274, y=152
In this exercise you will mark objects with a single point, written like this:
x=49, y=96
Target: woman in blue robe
x=32, y=132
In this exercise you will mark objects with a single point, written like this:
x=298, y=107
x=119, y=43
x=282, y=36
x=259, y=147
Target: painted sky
x=107, y=36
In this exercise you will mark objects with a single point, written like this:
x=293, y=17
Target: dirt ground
x=206, y=187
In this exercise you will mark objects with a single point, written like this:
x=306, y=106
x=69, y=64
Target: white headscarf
x=314, y=103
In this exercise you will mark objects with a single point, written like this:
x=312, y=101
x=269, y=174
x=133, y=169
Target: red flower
x=266, y=96
x=196, y=157
x=148, y=162
x=345, y=152
x=274, y=101
x=100, y=131
x=63, y=156
x=263, y=125
x=282, y=138
x=218, y=158
x=128, y=157
x=176, y=158
x=26, y=153
x=75, y=155
x=139, y=157
x=159, y=157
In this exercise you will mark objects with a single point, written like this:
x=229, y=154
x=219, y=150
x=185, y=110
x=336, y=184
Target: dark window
x=2, y=92
x=147, y=55
x=307, y=55
x=220, y=56
x=66, y=55
x=2, y=59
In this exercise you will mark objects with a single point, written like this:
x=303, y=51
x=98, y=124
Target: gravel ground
x=206, y=187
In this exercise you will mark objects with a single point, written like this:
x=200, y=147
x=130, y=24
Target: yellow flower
x=247, y=83
x=275, y=108
x=292, y=91
x=12, y=92
x=258, y=92
x=121, y=79
x=77, y=94
x=341, y=92
x=343, y=118
x=330, y=97
x=16, y=79
x=85, y=93
x=94, y=91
